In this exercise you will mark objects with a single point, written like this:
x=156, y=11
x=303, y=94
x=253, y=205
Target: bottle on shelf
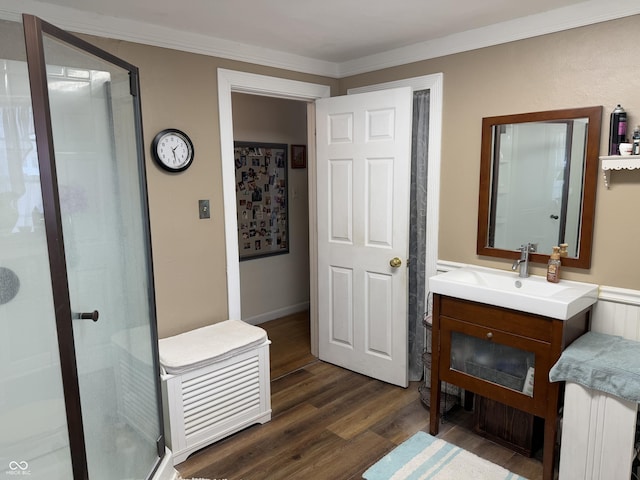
x=617, y=129
x=553, y=267
x=636, y=141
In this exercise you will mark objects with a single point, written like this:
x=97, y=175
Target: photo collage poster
x=261, y=193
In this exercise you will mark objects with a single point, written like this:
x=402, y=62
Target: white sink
x=506, y=289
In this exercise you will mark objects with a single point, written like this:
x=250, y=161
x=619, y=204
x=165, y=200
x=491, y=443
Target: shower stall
x=79, y=378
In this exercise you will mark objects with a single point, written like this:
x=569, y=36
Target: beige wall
x=180, y=90
x=276, y=284
x=595, y=65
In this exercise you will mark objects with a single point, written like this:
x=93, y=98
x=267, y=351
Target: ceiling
x=331, y=37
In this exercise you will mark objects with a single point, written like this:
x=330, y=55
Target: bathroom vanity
x=497, y=336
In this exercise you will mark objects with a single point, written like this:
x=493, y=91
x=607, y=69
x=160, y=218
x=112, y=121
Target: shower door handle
x=89, y=316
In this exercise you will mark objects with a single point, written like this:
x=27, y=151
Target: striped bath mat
x=423, y=457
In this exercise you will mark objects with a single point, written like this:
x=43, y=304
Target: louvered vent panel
x=215, y=397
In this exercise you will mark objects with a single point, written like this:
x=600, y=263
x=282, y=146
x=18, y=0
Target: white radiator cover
x=206, y=404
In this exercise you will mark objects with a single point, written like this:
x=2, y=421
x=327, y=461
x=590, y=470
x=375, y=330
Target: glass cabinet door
x=493, y=361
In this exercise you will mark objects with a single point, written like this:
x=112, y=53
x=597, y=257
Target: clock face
x=172, y=150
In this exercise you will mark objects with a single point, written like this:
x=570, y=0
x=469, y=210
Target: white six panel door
x=363, y=174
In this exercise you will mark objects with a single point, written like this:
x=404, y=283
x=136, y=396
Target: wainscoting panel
x=598, y=433
x=617, y=313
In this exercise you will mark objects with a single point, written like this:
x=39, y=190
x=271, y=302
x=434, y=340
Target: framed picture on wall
x=298, y=156
x=262, y=200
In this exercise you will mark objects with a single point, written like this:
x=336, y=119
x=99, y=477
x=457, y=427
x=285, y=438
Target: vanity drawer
x=515, y=323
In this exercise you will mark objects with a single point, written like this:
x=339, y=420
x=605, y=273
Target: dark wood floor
x=290, y=347
x=331, y=423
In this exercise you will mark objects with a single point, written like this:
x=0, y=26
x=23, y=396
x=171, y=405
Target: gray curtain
x=418, y=232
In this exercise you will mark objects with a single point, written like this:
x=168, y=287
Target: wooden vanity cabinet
x=489, y=350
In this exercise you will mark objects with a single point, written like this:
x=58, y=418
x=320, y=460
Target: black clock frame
x=154, y=150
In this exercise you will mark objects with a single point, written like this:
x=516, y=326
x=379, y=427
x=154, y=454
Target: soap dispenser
x=553, y=267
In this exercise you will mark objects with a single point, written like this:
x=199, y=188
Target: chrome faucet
x=523, y=261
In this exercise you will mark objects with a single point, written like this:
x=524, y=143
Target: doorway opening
x=273, y=224
x=272, y=207
x=232, y=81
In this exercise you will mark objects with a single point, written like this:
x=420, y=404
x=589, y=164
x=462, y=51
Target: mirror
x=538, y=176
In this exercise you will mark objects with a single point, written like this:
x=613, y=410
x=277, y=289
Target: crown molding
x=584, y=13
x=566, y=18
x=78, y=21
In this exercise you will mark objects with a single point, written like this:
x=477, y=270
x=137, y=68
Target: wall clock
x=172, y=150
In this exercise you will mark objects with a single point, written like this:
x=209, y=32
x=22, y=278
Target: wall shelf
x=618, y=162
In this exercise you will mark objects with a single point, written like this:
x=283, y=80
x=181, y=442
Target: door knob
x=89, y=316
x=395, y=262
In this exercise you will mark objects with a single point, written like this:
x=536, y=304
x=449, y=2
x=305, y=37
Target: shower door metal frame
x=34, y=28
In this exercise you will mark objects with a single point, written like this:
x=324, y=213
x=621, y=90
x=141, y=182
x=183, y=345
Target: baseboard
x=279, y=313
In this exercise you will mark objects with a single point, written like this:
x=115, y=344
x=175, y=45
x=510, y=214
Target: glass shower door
x=34, y=442
x=104, y=222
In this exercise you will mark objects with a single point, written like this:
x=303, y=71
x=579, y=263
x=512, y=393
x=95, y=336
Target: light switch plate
x=203, y=208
